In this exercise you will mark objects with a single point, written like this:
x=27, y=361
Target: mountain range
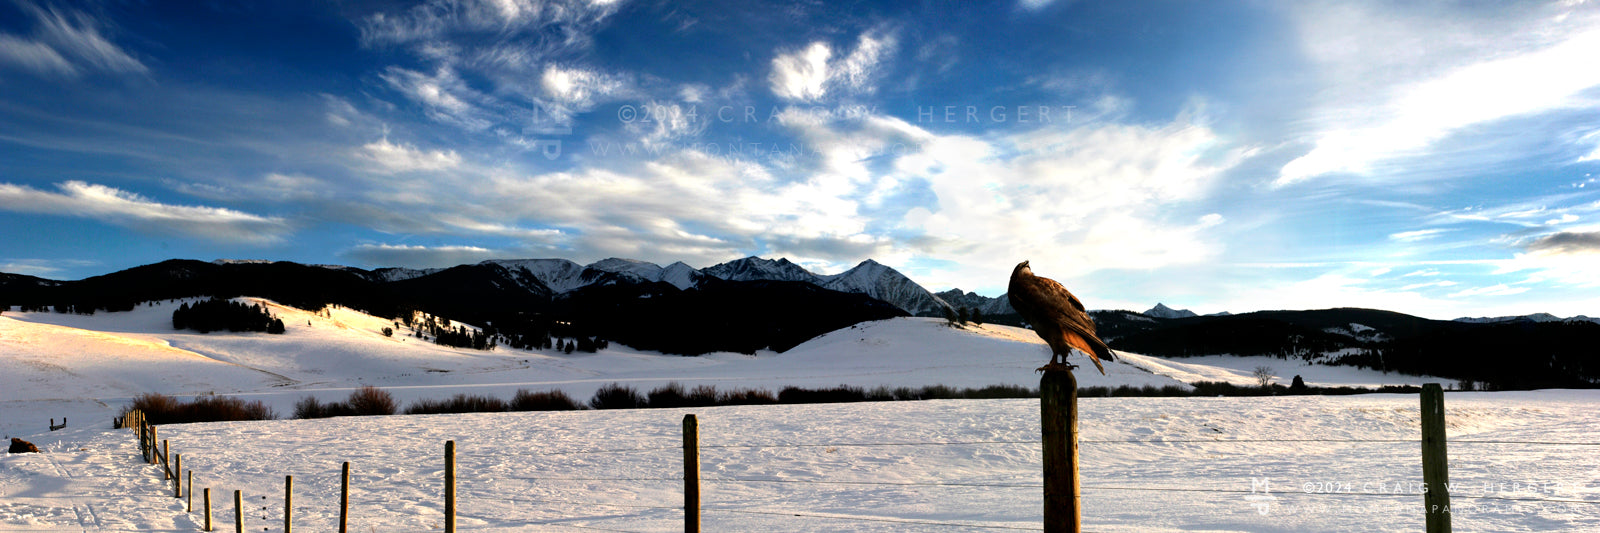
x=773, y=304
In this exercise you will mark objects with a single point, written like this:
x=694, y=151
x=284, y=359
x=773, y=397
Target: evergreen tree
x=977, y=316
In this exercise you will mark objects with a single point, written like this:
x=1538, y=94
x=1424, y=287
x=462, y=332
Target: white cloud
x=579, y=88
x=1499, y=289
x=123, y=208
x=411, y=256
x=439, y=18
x=1414, y=236
x=1405, y=81
x=443, y=95
x=392, y=157
x=42, y=268
x=35, y=56
x=802, y=74
x=67, y=42
x=808, y=74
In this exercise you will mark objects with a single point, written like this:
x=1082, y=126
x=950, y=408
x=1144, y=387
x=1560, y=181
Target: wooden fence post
x=1058, y=398
x=166, y=461
x=238, y=512
x=177, y=474
x=154, y=451
x=344, y=497
x=288, y=503
x=1435, y=460
x=691, y=474
x=190, y=492
x=450, y=486
x=207, y=501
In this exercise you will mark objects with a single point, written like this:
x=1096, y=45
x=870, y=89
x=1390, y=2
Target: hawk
x=1057, y=316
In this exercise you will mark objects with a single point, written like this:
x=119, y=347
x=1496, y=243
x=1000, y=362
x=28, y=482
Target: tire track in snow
x=76, y=502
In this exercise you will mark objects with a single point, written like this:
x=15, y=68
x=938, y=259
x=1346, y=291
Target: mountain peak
x=1162, y=311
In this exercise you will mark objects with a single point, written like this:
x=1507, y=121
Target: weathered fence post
x=344, y=497
x=190, y=492
x=450, y=486
x=1435, y=460
x=207, y=501
x=1058, y=398
x=288, y=503
x=154, y=451
x=691, y=474
x=238, y=512
x=177, y=471
x=166, y=461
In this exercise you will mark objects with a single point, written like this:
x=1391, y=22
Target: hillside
x=1517, y=354
x=85, y=366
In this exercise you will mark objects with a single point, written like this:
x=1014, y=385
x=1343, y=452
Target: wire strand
x=864, y=519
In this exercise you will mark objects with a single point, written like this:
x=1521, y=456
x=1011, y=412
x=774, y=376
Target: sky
x=1432, y=158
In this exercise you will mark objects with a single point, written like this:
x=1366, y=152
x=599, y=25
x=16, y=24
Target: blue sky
x=1434, y=158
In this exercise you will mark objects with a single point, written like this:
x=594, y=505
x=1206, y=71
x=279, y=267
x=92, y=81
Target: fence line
x=864, y=519
x=156, y=452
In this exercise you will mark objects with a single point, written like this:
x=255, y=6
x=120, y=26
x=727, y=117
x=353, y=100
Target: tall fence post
x=288, y=503
x=691, y=474
x=166, y=462
x=238, y=511
x=1435, y=460
x=207, y=502
x=344, y=497
x=155, y=452
x=450, y=486
x=190, y=492
x=177, y=475
x=1058, y=398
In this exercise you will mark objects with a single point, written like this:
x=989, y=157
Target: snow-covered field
x=1149, y=464
x=86, y=367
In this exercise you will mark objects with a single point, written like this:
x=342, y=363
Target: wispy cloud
x=808, y=74
x=414, y=256
x=436, y=19
x=123, y=208
x=43, y=268
x=66, y=42
x=394, y=157
x=1418, y=235
x=1469, y=77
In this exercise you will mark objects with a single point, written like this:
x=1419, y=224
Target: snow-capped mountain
x=1162, y=311
x=755, y=268
x=559, y=275
x=999, y=305
x=681, y=275
x=1536, y=317
x=402, y=274
x=677, y=274
x=887, y=284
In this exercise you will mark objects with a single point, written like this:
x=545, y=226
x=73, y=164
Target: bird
x=1057, y=316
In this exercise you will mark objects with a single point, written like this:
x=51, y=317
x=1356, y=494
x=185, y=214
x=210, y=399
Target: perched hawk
x=1057, y=316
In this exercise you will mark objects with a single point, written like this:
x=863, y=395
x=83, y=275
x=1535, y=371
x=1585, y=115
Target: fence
x=156, y=452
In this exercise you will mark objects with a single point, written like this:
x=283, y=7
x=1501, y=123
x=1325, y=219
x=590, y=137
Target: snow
x=559, y=275
x=1148, y=464
x=86, y=367
x=681, y=275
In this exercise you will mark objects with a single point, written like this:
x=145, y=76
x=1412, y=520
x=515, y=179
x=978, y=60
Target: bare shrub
x=552, y=400
x=370, y=400
x=617, y=396
x=667, y=396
